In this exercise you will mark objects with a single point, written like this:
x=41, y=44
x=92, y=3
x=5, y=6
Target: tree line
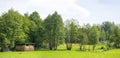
x=50, y=32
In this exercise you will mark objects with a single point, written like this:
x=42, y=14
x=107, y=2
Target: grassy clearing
x=62, y=53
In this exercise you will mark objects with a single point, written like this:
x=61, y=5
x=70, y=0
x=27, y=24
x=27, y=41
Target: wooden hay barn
x=24, y=47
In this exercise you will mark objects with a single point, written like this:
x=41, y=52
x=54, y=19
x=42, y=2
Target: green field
x=62, y=53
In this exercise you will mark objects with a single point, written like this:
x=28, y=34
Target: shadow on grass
x=95, y=51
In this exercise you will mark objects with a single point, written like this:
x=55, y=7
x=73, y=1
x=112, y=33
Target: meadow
x=62, y=53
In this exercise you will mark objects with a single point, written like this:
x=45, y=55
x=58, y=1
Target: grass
x=62, y=53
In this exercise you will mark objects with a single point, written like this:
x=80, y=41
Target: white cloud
x=67, y=8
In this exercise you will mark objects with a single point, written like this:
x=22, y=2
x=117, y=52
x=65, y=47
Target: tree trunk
x=50, y=45
x=93, y=47
x=12, y=45
x=5, y=48
x=89, y=48
x=81, y=47
x=55, y=44
x=69, y=46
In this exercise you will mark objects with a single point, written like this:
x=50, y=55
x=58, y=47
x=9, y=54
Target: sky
x=83, y=11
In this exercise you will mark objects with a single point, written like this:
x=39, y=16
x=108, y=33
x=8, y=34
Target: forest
x=51, y=32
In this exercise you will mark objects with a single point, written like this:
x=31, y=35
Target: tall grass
x=63, y=53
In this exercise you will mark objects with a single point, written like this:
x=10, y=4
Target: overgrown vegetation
x=61, y=52
x=52, y=31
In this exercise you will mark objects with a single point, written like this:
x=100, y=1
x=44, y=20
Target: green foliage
x=51, y=32
x=8, y=23
x=54, y=30
x=71, y=33
x=14, y=27
x=109, y=29
x=94, y=35
x=115, y=38
x=83, y=36
x=36, y=29
x=102, y=36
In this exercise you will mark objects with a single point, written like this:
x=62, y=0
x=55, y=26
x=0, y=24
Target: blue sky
x=84, y=11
